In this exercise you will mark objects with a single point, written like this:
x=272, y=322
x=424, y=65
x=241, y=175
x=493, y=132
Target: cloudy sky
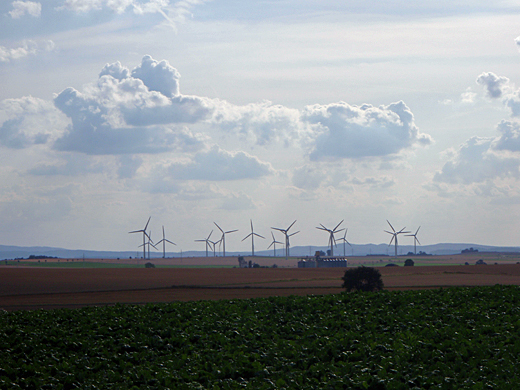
x=194, y=112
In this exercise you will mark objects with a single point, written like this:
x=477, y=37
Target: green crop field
x=459, y=338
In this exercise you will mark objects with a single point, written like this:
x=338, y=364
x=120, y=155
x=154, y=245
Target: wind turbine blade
x=337, y=231
x=290, y=235
x=418, y=241
x=337, y=226
x=251, y=225
x=136, y=231
x=145, y=226
x=402, y=231
x=246, y=237
x=231, y=231
x=291, y=225
x=390, y=225
x=258, y=235
x=209, y=235
x=392, y=240
x=218, y=227
x=386, y=231
x=322, y=228
x=281, y=230
x=171, y=242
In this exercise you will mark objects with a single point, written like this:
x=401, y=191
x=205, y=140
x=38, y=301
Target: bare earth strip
x=31, y=288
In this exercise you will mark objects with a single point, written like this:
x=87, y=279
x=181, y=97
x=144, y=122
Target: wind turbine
x=274, y=244
x=287, y=235
x=144, y=236
x=214, y=243
x=344, y=239
x=207, y=241
x=394, y=235
x=164, y=241
x=332, y=240
x=148, y=243
x=223, y=238
x=415, y=240
x=252, y=235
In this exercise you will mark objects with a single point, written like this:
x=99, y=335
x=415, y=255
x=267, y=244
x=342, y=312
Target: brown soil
x=32, y=288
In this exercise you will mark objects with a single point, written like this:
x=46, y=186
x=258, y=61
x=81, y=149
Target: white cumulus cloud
x=27, y=48
x=20, y=8
x=475, y=162
x=496, y=86
x=216, y=164
x=346, y=131
x=29, y=121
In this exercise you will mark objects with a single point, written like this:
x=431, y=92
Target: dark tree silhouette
x=409, y=263
x=362, y=279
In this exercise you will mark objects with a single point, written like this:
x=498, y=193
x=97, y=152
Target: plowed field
x=32, y=288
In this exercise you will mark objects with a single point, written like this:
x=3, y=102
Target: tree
x=362, y=279
x=408, y=263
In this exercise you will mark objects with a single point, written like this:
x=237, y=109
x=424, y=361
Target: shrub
x=409, y=263
x=149, y=265
x=362, y=279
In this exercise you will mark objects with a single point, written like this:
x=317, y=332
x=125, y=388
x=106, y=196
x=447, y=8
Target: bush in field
x=408, y=263
x=362, y=279
x=149, y=265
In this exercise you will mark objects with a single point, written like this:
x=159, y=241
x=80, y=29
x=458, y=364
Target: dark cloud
x=346, y=131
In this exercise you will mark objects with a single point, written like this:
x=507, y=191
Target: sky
x=199, y=112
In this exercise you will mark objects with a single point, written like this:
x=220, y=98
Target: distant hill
x=13, y=252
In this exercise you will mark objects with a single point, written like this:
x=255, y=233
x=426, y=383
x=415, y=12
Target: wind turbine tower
x=223, y=238
x=394, y=235
x=207, y=241
x=332, y=239
x=415, y=240
x=164, y=241
x=147, y=244
x=273, y=244
x=344, y=239
x=287, y=235
x=144, y=236
x=252, y=235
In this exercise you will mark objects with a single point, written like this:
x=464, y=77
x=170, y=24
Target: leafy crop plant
x=460, y=338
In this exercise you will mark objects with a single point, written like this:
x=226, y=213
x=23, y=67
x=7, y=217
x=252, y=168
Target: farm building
x=322, y=262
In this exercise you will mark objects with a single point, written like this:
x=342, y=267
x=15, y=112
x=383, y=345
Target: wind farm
x=225, y=246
